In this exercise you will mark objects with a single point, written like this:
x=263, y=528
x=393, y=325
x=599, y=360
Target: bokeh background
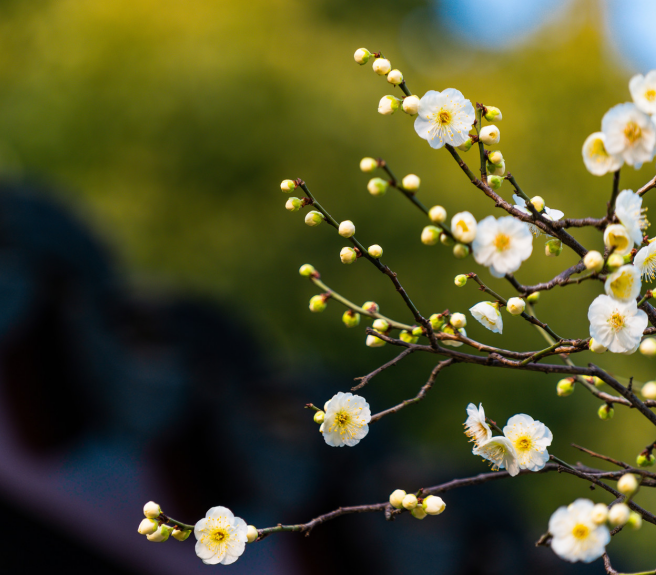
x=156, y=341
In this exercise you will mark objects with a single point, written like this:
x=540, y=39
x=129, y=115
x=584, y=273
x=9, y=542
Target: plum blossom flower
x=475, y=427
x=645, y=261
x=346, y=420
x=530, y=438
x=616, y=325
x=624, y=284
x=575, y=534
x=221, y=537
x=617, y=236
x=444, y=118
x=643, y=92
x=501, y=453
x=629, y=133
x=487, y=313
x=503, y=244
x=596, y=158
x=631, y=214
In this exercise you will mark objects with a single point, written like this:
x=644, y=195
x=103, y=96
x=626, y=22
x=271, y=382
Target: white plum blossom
x=549, y=214
x=221, y=537
x=475, y=427
x=645, y=261
x=530, y=438
x=629, y=133
x=575, y=534
x=501, y=453
x=463, y=227
x=643, y=92
x=617, y=236
x=503, y=244
x=346, y=420
x=616, y=325
x=624, y=284
x=596, y=158
x=444, y=118
x=630, y=212
x=487, y=313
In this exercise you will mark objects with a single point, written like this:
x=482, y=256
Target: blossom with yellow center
x=346, y=420
x=221, y=537
x=643, y=92
x=444, y=118
x=596, y=158
x=630, y=133
x=502, y=245
x=616, y=325
x=530, y=438
x=624, y=284
x=499, y=451
x=476, y=428
x=616, y=237
x=645, y=261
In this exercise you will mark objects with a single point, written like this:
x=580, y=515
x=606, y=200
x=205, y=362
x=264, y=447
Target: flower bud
x=411, y=182
x=437, y=321
x=319, y=417
x=605, y=412
x=466, y=146
x=410, y=501
x=516, y=306
x=463, y=227
x=418, y=330
x=375, y=251
x=458, y=320
x=148, y=526
x=596, y=347
x=492, y=114
x=599, y=514
x=553, y=248
x=251, y=534
x=616, y=236
x=627, y=484
x=351, y=318
x=538, y=203
x=593, y=261
x=152, y=510
x=395, y=77
x=162, y=534
x=381, y=325
x=348, y=255
x=618, y=514
x=460, y=251
x=382, y=66
x=408, y=337
x=377, y=186
x=430, y=235
x=494, y=181
x=490, y=135
x=460, y=280
x=313, y=218
x=317, y=303
x=645, y=460
x=565, y=387
x=649, y=390
x=437, y=214
x=388, y=105
x=648, y=346
x=288, y=185
x=396, y=498
x=346, y=229
x=373, y=341
x=368, y=164
x=635, y=521
x=433, y=505
x=418, y=512
x=446, y=239
x=306, y=270
x=496, y=169
x=181, y=534
x=293, y=204
x=450, y=331
x=411, y=105
x=597, y=381
x=495, y=157
x=370, y=306
x=533, y=297
x=615, y=262
x=361, y=56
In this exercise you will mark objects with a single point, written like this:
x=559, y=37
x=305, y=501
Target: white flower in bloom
x=444, y=118
x=530, y=439
x=475, y=427
x=624, y=284
x=645, y=261
x=499, y=451
x=616, y=325
x=346, y=419
x=630, y=212
x=503, y=244
x=549, y=214
x=463, y=227
x=575, y=535
x=617, y=236
x=221, y=537
x=629, y=133
x=643, y=92
x=596, y=158
x=488, y=314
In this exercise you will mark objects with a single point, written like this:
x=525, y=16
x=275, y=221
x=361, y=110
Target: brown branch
x=562, y=279
x=613, y=197
x=599, y=223
x=600, y=456
x=648, y=186
x=366, y=378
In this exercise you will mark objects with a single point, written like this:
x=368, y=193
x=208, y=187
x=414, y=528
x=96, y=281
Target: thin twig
x=365, y=379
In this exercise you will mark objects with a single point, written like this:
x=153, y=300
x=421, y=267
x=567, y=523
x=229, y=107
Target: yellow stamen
x=616, y=320
x=581, y=531
x=650, y=95
x=632, y=132
x=501, y=242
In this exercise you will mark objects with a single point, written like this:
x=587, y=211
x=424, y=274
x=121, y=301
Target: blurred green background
x=167, y=127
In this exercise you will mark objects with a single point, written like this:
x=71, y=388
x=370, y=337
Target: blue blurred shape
x=630, y=27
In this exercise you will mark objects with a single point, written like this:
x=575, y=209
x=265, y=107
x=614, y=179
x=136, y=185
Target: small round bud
x=553, y=248
x=565, y=387
x=288, y=185
x=593, y=261
x=648, y=346
x=495, y=157
x=293, y=204
x=645, y=460
x=490, y=135
x=463, y=227
x=418, y=512
x=313, y=218
x=388, y=105
x=395, y=77
x=317, y=303
x=605, y=412
x=381, y=325
x=411, y=182
x=437, y=214
x=460, y=280
x=446, y=239
x=597, y=381
x=410, y=501
x=251, y=534
x=494, y=181
x=148, y=526
x=460, y=251
x=635, y=521
x=533, y=297
x=433, y=505
x=599, y=514
x=466, y=146
x=351, y=318
x=538, y=203
x=181, y=534
x=382, y=66
x=418, y=331
x=411, y=105
x=152, y=510
x=375, y=251
x=368, y=164
x=377, y=186
x=430, y=235
x=319, y=417
x=627, y=484
x=361, y=56
x=373, y=341
x=458, y=320
x=437, y=320
x=615, y=262
x=408, y=337
x=618, y=514
x=596, y=347
x=162, y=534
x=516, y=306
x=306, y=270
x=348, y=255
x=496, y=169
x=493, y=114
x=370, y=306
x=396, y=498
x=649, y=390
x=346, y=229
